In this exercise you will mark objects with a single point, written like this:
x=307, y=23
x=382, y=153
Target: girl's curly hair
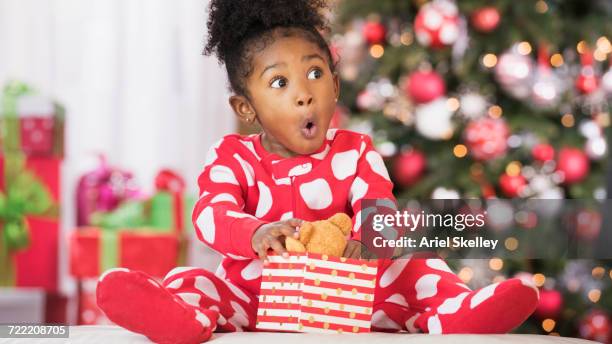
x=238, y=28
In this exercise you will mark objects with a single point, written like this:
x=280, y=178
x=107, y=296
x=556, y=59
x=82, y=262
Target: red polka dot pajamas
x=242, y=187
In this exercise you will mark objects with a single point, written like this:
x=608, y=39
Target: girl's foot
x=497, y=308
x=135, y=301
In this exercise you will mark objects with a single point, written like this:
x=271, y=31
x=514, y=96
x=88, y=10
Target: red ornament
x=573, y=164
x=543, y=152
x=587, y=81
x=374, y=32
x=425, y=86
x=596, y=325
x=409, y=167
x=485, y=19
x=437, y=24
x=587, y=224
x=486, y=138
x=512, y=186
x=550, y=304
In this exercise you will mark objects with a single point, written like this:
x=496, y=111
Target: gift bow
x=24, y=194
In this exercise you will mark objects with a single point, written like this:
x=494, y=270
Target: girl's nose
x=304, y=99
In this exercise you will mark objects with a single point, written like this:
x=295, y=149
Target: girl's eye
x=315, y=74
x=278, y=83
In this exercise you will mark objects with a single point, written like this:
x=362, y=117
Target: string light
x=489, y=60
x=610, y=273
x=581, y=47
x=377, y=51
x=453, y=103
x=539, y=279
x=511, y=243
x=466, y=274
x=598, y=272
x=496, y=264
x=567, y=120
x=594, y=295
x=406, y=38
x=514, y=168
x=541, y=6
x=495, y=111
x=604, y=45
x=600, y=55
x=556, y=60
x=460, y=151
x=548, y=325
x=524, y=48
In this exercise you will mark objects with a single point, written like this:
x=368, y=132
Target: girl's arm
x=372, y=182
x=218, y=216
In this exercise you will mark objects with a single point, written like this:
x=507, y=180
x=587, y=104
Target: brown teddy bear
x=324, y=237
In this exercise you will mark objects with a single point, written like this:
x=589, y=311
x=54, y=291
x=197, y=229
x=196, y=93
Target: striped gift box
x=316, y=293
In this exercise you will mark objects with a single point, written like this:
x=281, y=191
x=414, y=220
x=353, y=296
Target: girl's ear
x=336, y=85
x=242, y=108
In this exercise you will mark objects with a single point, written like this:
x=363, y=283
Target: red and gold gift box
x=94, y=250
x=316, y=293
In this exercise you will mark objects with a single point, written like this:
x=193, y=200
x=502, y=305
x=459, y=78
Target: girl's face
x=293, y=95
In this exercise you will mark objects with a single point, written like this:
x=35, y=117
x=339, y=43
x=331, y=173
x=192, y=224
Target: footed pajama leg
x=439, y=302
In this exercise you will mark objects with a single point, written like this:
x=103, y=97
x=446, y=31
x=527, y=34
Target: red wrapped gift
x=37, y=265
x=37, y=135
x=94, y=250
x=316, y=293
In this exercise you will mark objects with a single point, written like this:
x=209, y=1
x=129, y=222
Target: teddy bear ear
x=343, y=222
x=306, y=231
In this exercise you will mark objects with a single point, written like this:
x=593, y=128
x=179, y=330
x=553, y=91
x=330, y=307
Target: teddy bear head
x=324, y=237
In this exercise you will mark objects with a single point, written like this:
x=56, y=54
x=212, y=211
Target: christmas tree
x=491, y=99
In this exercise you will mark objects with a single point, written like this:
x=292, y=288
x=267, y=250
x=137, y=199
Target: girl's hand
x=271, y=235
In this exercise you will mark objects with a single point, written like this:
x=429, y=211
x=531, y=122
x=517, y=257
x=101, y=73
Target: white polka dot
x=380, y=319
x=265, y=200
x=237, y=308
x=204, y=194
x=177, y=283
x=317, y=194
x=393, y=272
x=300, y=170
x=239, y=215
x=397, y=299
x=463, y=286
x=239, y=293
x=221, y=320
x=331, y=133
x=433, y=325
x=287, y=215
x=202, y=318
x=107, y=272
x=362, y=148
x=211, y=156
x=207, y=287
x=410, y=324
x=376, y=164
x=222, y=174
x=206, y=225
x=178, y=270
x=224, y=197
x=358, y=190
x=322, y=154
x=190, y=298
x=452, y=305
x=237, y=257
x=249, y=145
x=438, y=264
x=483, y=294
x=427, y=286
x=247, y=168
x=282, y=181
x=252, y=271
x=344, y=164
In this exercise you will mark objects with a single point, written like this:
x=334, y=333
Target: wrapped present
x=94, y=250
x=103, y=190
x=35, y=122
x=316, y=293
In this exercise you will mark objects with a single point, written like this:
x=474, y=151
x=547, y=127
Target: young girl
x=256, y=190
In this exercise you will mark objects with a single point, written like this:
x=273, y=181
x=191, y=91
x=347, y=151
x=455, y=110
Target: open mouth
x=309, y=129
